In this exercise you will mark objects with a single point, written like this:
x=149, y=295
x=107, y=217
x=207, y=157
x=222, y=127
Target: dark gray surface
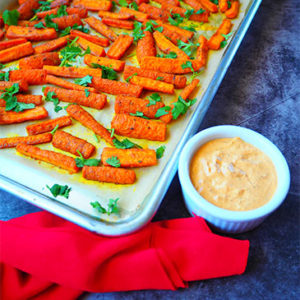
x=260, y=91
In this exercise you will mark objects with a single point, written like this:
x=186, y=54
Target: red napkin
x=44, y=256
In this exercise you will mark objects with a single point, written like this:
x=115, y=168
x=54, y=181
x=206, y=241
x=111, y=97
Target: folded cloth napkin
x=45, y=257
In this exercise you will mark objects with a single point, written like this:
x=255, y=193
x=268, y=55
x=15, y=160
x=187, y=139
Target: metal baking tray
x=27, y=178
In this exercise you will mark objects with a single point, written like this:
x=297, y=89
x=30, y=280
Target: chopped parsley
x=112, y=132
x=186, y=65
x=160, y=151
x=181, y=106
x=176, y=19
x=68, y=29
x=114, y=162
x=107, y=73
x=87, y=92
x=47, y=23
x=139, y=114
x=162, y=111
x=112, y=207
x=159, y=78
x=84, y=81
x=129, y=77
x=125, y=144
x=54, y=129
x=153, y=99
x=80, y=162
x=149, y=26
x=11, y=17
x=137, y=31
x=51, y=97
x=187, y=48
x=226, y=37
x=4, y=76
x=59, y=190
x=169, y=55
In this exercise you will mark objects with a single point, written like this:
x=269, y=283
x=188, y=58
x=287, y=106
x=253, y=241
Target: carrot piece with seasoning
x=32, y=76
x=92, y=38
x=113, y=15
x=52, y=45
x=49, y=125
x=54, y=158
x=153, y=85
x=154, y=12
x=28, y=140
x=87, y=120
x=116, y=65
x=130, y=158
x=30, y=33
x=80, y=11
x=145, y=46
x=97, y=101
x=208, y=5
x=101, y=28
x=109, y=175
x=26, y=9
x=139, y=16
x=217, y=38
x=94, y=5
x=23, y=85
x=16, y=52
x=120, y=46
x=132, y=105
x=118, y=23
x=39, y=60
x=58, y=3
x=26, y=23
x=67, y=21
x=202, y=50
x=11, y=43
x=69, y=143
x=95, y=49
x=116, y=87
x=178, y=81
x=223, y=5
x=139, y=128
x=170, y=2
x=72, y=72
x=233, y=11
x=195, y=4
x=11, y=117
x=34, y=99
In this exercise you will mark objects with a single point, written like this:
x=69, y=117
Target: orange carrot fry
x=34, y=99
x=117, y=65
x=28, y=140
x=223, y=5
x=179, y=81
x=139, y=128
x=15, y=52
x=202, y=50
x=118, y=23
x=225, y=27
x=167, y=46
x=154, y=12
x=58, y=3
x=11, y=43
x=97, y=101
x=57, y=159
x=23, y=85
x=233, y=11
x=153, y=85
x=132, y=105
x=217, y=38
x=32, y=76
x=87, y=120
x=195, y=4
x=30, y=33
x=80, y=11
x=101, y=28
x=26, y=9
x=72, y=72
x=130, y=158
x=113, y=15
x=169, y=2
x=169, y=65
x=95, y=49
x=120, y=46
x=69, y=143
x=145, y=46
x=94, y=5
x=209, y=6
x=27, y=23
x=67, y=84
x=116, y=87
x=49, y=125
x=66, y=21
x=92, y=38
x=11, y=117
x=109, y=174
x=52, y=45
x=39, y=60
x=139, y=16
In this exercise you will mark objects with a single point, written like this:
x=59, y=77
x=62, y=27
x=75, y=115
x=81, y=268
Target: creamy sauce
x=233, y=174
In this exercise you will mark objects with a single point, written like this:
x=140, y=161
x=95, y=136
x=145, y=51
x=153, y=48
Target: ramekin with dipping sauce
x=223, y=219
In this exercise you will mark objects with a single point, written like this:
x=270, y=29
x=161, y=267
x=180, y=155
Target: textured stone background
x=261, y=91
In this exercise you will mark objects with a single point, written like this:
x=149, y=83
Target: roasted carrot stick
x=139, y=128
x=34, y=99
x=57, y=159
x=70, y=143
x=167, y=46
x=170, y=2
x=113, y=15
x=117, y=65
x=11, y=43
x=209, y=6
x=72, y=72
x=233, y=11
x=93, y=100
x=130, y=158
x=49, y=125
x=116, y=87
x=223, y=5
x=80, y=11
x=109, y=174
x=66, y=21
x=28, y=140
x=202, y=50
x=32, y=76
x=118, y=23
x=67, y=84
x=215, y=41
x=139, y=16
x=11, y=117
x=23, y=85
x=16, y=52
x=154, y=12
x=30, y=33
x=27, y=23
x=169, y=65
x=92, y=38
x=58, y=3
x=145, y=46
x=52, y=45
x=94, y=5
x=95, y=49
x=194, y=4
x=179, y=81
x=39, y=60
x=101, y=28
x=87, y=120
x=132, y=105
x=26, y=9
x=120, y=46
x=153, y=85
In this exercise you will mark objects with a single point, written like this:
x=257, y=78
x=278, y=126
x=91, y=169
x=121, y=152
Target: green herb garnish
x=91, y=162
x=181, y=106
x=84, y=81
x=125, y=144
x=107, y=73
x=54, y=129
x=153, y=99
x=51, y=97
x=11, y=17
x=59, y=190
x=162, y=111
x=160, y=152
x=129, y=77
x=112, y=207
x=139, y=114
x=137, y=31
x=114, y=162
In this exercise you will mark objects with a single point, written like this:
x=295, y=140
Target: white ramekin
x=223, y=219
